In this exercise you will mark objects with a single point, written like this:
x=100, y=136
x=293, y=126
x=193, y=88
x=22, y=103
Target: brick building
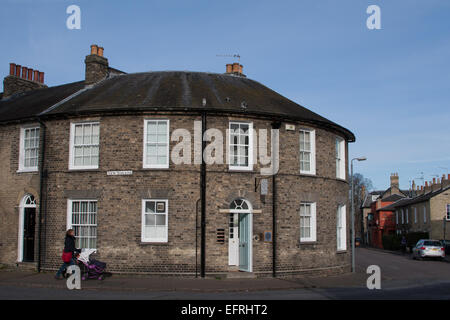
x=428, y=211
x=381, y=222
x=95, y=155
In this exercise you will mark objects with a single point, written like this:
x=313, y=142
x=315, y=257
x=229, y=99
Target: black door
x=28, y=234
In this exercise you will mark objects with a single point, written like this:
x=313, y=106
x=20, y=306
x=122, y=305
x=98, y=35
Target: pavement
x=401, y=277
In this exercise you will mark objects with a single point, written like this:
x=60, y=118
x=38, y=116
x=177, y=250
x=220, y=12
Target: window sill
x=241, y=170
x=154, y=243
x=307, y=242
x=308, y=174
x=27, y=171
x=84, y=169
x=341, y=251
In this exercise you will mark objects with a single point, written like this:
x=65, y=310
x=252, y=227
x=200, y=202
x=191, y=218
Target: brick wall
x=119, y=201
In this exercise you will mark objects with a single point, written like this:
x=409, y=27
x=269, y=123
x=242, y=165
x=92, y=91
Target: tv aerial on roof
x=230, y=55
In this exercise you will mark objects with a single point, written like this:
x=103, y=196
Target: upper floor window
x=403, y=217
x=84, y=145
x=448, y=212
x=407, y=216
x=29, y=149
x=396, y=216
x=308, y=151
x=340, y=158
x=424, y=214
x=341, y=231
x=241, y=146
x=156, y=144
x=307, y=222
x=415, y=214
x=154, y=221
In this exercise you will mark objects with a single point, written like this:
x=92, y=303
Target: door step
x=240, y=275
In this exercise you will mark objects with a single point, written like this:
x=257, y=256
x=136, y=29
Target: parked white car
x=426, y=248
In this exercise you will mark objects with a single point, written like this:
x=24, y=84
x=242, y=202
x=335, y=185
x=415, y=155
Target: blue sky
x=391, y=87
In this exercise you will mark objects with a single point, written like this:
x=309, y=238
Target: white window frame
x=313, y=223
x=72, y=165
x=312, y=151
x=341, y=228
x=249, y=167
x=340, y=158
x=69, y=217
x=22, y=167
x=144, y=156
x=166, y=213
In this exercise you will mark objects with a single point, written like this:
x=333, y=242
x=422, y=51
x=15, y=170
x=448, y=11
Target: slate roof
x=408, y=201
x=165, y=91
x=392, y=198
x=29, y=104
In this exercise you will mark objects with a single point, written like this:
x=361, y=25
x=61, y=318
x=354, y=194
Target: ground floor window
x=82, y=218
x=307, y=222
x=341, y=228
x=154, y=220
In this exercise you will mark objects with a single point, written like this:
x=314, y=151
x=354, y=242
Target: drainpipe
x=203, y=202
x=41, y=190
x=196, y=238
x=275, y=125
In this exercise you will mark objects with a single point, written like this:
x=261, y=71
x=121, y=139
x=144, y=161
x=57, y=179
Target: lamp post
x=353, y=212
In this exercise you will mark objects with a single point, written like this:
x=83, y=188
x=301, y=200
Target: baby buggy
x=91, y=268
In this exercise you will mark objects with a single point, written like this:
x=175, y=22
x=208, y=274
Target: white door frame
x=23, y=205
x=236, y=236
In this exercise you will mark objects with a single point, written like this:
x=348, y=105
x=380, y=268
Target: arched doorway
x=27, y=224
x=240, y=235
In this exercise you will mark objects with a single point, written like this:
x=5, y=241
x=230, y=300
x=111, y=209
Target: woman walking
x=69, y=253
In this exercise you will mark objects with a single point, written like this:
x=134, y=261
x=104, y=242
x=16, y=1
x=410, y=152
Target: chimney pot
x=236, y=67
x=24, y=72
x=30, y=74
x=94, y=49
x=448, y=177
x=12, y=69
x=426, y=183
x=100, y=51
x=18, y=66
x=41, y=77
x=434, y=180
x=36, y=75
x=229, y=68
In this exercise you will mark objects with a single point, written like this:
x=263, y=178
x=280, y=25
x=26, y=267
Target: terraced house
x=97, y=155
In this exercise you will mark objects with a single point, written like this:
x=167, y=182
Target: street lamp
x=353, y=212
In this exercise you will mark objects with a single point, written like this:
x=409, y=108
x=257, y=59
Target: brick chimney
x=22, y=79
x=96, y=66
x=235, y=69
x=395, y=181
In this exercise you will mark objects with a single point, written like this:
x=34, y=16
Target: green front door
x=244, y=242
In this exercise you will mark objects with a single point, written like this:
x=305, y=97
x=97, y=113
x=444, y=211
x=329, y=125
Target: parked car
x=427, y=248
x=446, y=244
